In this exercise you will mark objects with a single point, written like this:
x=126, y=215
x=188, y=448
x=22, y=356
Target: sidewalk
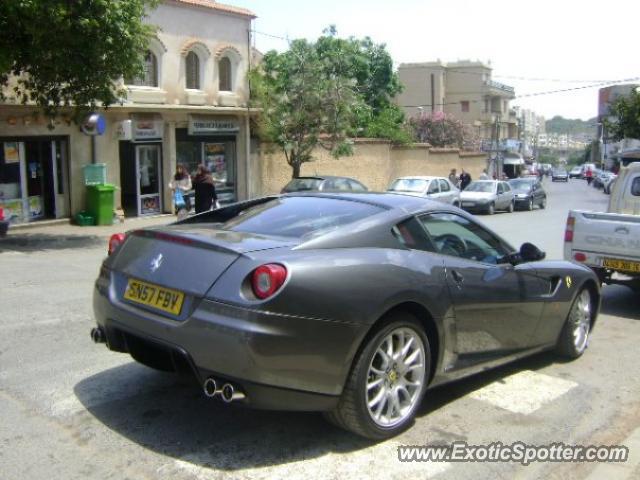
x=64, y=235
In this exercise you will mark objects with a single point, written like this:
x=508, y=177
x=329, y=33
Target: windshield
x=486, y=187
x=298, y=216
x=520, y=184
x=301, y=184
x=409, y=185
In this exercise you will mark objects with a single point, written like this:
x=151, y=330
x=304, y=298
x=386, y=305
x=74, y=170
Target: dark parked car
x=560, y=175
x=324, y=184
x=351, y=304
x=528, y=192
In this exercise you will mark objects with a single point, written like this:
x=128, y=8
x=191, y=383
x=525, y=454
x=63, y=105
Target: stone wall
x=375, y=163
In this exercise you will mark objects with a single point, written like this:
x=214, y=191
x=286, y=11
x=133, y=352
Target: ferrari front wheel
x=387, y=381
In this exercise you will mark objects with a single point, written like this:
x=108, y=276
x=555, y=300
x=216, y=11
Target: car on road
x=351, y=304
x=528, y=192
x=559, y=175
x=325, y=183
x=575, y=172
x=608, y=184
x=434, y=188
x=487, y=196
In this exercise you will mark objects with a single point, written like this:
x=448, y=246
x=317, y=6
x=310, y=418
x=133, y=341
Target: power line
x=534, y=94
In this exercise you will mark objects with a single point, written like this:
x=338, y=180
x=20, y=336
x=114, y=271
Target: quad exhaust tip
x=228, y=392
x=97, y=335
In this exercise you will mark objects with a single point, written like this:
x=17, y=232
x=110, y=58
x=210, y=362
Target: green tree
x=308, y=99
x=61, y=53
x=626, y=110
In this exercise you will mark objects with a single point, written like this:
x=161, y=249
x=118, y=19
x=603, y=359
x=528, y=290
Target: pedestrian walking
x=453, y=177
x=465, y=179
x=180, y=186
x=588, y=175
x=205, y=190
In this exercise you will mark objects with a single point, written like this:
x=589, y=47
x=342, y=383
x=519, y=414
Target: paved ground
x=70, y=409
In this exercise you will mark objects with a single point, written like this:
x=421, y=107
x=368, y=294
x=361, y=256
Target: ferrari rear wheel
x=574, y=337
x=387, y=381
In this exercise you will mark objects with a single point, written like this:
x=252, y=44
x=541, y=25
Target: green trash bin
x=100, y=203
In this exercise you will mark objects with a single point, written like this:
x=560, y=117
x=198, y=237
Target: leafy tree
x=626, y=110
x=308, y=98
x=438, y=129
x=61, y=53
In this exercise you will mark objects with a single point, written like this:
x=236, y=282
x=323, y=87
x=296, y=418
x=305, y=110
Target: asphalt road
x=71, y=409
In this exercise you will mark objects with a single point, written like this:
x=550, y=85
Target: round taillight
x=115, y=241
x=580, y=257
x=267, y=279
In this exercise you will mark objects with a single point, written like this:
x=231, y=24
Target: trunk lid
x=190, y=257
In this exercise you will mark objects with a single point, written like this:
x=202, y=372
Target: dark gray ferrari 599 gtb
x=350, y=304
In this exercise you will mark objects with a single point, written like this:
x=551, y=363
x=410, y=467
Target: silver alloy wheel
x=580, y=319
x=396, y=377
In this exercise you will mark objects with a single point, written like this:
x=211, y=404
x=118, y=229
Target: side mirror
x=530, y=253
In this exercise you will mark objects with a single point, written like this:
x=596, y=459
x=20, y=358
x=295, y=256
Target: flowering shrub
x=438, y=129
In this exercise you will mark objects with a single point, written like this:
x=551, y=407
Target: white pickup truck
x=609, y=242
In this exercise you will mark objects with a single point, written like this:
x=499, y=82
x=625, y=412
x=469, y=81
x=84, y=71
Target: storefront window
x=218, y=154
x=10, y=188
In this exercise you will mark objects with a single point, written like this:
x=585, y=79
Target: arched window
x=149, y=77
x=224, y=73
x=193, y=71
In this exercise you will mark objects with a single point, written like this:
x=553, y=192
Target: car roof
x=419, y=177
x=386, y=200
x=324, y=177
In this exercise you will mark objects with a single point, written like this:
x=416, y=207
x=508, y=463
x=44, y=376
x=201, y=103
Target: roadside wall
x=376, y=163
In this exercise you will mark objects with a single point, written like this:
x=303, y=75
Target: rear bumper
x=279, y=362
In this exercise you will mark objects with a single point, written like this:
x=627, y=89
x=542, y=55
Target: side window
x=500, y=189
x=635, y=187
x=411, y=235
x=357, y=186
x=444, y=185
x=457, y=236
x=433, y=187
x=224, y=74
x=507, y=187
x=342, y=185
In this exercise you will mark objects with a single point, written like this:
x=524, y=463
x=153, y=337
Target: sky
x=553, y=44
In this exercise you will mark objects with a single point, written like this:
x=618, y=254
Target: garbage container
x=100, y=203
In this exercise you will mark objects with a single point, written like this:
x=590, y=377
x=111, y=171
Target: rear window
x=302, y=184
x=635, y=187
x=299, y=216
x=415, y=185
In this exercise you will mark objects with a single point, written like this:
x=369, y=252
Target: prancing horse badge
x=568, y=281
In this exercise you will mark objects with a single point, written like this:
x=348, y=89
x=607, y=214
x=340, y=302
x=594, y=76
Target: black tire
x=566, y=345
x=352, y=413
x=530, y=204
x=491, y=209
x=511, y=207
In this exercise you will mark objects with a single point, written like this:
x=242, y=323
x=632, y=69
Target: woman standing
x=205, y=190
x=180, y=185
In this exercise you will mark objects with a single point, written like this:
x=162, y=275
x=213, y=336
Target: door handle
x=457, y=276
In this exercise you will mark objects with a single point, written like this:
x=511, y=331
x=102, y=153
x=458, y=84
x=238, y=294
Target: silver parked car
x=488, y=196
x=434, y=188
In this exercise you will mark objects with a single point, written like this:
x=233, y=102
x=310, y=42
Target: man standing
x=453, y=177
x=465, y=179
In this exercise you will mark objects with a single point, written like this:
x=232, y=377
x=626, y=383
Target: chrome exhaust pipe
x=210, y=388
x=97, y=335
x=229, y=393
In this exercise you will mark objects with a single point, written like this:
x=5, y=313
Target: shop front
x=141, y=165
x=211, y=141
x=34, y=178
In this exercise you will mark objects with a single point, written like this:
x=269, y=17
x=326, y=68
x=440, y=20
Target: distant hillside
x=576, y=126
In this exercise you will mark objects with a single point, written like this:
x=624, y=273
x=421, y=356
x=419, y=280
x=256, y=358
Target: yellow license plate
x=624, y=265
x=155, y=296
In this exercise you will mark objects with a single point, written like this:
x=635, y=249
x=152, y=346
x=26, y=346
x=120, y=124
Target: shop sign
x=140, y=130
x=201, y=125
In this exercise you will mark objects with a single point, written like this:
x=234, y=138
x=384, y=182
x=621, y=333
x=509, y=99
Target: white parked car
x=434, y=188
x=487, y=196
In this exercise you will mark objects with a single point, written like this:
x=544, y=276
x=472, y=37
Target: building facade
x=463, y=89
x=189, y=107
